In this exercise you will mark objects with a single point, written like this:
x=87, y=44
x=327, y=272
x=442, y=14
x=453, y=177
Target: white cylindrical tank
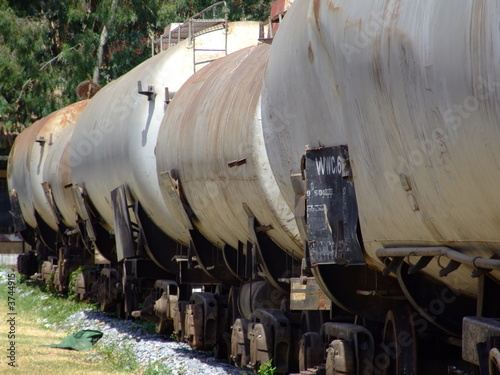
x=27, y=159
x=212, y=140
x=412, y=88
x=300, y=100
x=113, y=143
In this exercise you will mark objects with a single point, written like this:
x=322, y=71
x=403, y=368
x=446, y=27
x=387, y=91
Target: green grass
x=32, y=303
x=38, y=307
x=48, y=305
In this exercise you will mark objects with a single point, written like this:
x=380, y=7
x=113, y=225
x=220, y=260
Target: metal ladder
x=206, y=21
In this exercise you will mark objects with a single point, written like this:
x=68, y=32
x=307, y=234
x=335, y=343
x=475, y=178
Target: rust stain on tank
x=332, y=7
x=317, y=5
x=310, y=53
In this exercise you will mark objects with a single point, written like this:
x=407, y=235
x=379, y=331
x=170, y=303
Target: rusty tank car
x=332, y=194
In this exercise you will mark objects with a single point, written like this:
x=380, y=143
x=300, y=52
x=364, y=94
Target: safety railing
x=213, y=18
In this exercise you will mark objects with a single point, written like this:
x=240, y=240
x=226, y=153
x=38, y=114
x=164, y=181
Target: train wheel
x=399, y=343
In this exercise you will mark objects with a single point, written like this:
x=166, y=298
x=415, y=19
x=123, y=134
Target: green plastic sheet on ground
x=82, y=340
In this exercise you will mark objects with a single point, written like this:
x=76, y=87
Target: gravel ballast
x=148, y=349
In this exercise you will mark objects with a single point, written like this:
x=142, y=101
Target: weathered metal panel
x=216, y=147
x=305, y=294
x=332, y=211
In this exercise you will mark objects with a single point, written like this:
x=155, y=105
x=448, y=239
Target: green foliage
x=266, y=368
x=48, y=47
x=158, y=368
x=120, y=356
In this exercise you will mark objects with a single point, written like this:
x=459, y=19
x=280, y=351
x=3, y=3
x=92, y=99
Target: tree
x=48, y=47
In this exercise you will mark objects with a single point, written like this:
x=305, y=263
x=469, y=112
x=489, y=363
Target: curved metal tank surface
x=114, y=141
x=27, y=159
x=57, y=174
x=212, y=139
x=419, y=88
x=300, y=102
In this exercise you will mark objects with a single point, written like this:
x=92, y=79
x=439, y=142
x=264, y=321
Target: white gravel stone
x=148, y=348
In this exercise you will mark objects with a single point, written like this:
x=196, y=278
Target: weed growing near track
x=120, y=357
x=266, y=368
x=158, y=368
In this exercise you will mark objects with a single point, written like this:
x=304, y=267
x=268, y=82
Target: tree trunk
x=102, y=42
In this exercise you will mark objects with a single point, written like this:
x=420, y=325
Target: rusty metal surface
x=305, y=294
x=424, y=159
x=57, y=174
x=355, y=343
x=216, y=147
x=311, y=350
x=270, y=335
x=114, y=142
x=477, y=332
x=240, y=344
x=179, y=319
x=41, y=150
x=27, y=159
x=200, y=322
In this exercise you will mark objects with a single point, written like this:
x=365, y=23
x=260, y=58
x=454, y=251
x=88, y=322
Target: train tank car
x=213, y=146
x=31, y=198
x=398, y=126
x=286, y=182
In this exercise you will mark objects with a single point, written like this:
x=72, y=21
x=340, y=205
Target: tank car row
x=328, y=201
